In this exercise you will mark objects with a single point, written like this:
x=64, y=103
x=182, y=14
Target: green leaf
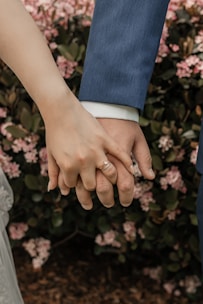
x=143, y=121
x=193, y=243
x=102, y=224
x=122, y=258
x=157, y=162
x=32, y=222
x=32, y=182
x=26, y=119
x=2, y=100
x=37, y=197
x=156, y=127
x=174, y=256
x=57, y=219
x=171, y=199
x=64, y=50
x=174, y=267
x=171, y=156
x=98, y=250
x=134, y=246
x=154, y=207
x=193, y=219
x=168, y=74
x=81, y=52
x=16, y=131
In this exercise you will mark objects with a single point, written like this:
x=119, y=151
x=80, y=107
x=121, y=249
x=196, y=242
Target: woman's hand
x=77, y=146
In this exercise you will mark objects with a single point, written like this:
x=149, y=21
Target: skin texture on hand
x=77, y=145
x=131, y=139
x=76, y=142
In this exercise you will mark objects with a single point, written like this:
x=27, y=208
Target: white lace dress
x=9, y=290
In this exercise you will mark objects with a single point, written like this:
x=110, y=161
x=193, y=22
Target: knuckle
x=102, y=188
x=90, y=186
x=64, y=165
x=126, y=187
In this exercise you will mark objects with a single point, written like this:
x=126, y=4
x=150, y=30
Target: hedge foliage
x=160, y=228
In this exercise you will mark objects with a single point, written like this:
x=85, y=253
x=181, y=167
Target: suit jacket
x=200, y=153
x=122, y=47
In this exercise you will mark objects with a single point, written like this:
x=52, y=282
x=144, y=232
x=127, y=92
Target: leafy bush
x=159, y=230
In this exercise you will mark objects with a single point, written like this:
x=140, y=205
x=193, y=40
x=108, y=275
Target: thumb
x=53, y=172
x=114, y=149
x=142, y=157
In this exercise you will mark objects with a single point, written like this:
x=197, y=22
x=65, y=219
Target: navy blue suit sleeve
x=121, y=52
x=199, y=164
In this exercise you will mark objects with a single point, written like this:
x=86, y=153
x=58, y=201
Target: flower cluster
x=174, y=179
x=25, y=145
x=17, y=231
x=108, y=239
x=49, y=14
x=39, y=250
x=162, y=220
x=143, y=193
x=193, y=11
x=189, y=284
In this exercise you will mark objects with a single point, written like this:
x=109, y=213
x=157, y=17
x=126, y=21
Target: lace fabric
x=9, y=290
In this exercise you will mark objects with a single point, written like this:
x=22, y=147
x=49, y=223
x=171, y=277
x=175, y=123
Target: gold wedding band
x=106, y=165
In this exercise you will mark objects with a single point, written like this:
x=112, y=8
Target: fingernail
x=126, y=204
x=109, y=205
x=132, y=170
x=49, y=186
x=64, y=191
x=87, y=206
x=151, y=172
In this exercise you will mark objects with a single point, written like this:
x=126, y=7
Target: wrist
x=55, y=105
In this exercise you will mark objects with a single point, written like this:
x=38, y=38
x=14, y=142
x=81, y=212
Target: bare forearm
x=24, y=50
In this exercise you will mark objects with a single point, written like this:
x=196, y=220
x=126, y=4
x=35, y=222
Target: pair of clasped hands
x=94, y=154
x=83, y=153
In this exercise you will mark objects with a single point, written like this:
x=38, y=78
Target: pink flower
x=191, y=283
x=183, y=70
x=169, y=287
x=48, y=14
x=17, y=230
x=154, y=273
x=31, y=157
x=163, y=48
x=174, y=47
x=145, y=200
x=192, y=60
x=193, y=156
x=43, y=155
x=5, y=132
x=66, y=67
x=180, y=155
x=43, y=161
x=164, y=183
x=39, y=250
x=3, y=112
x=165, y=143
x=11, y=169
x=141, y=188
x=26, y=144
x=174, y=179
x=141, y=233
x=108, y=239
x=172, y=214
x=130, y=231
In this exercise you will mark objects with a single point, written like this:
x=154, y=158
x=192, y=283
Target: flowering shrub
x=160, y=228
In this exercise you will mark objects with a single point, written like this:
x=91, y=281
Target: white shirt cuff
x=106, y=110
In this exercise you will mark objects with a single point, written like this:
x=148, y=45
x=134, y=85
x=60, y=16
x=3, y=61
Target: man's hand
x=130, y=138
